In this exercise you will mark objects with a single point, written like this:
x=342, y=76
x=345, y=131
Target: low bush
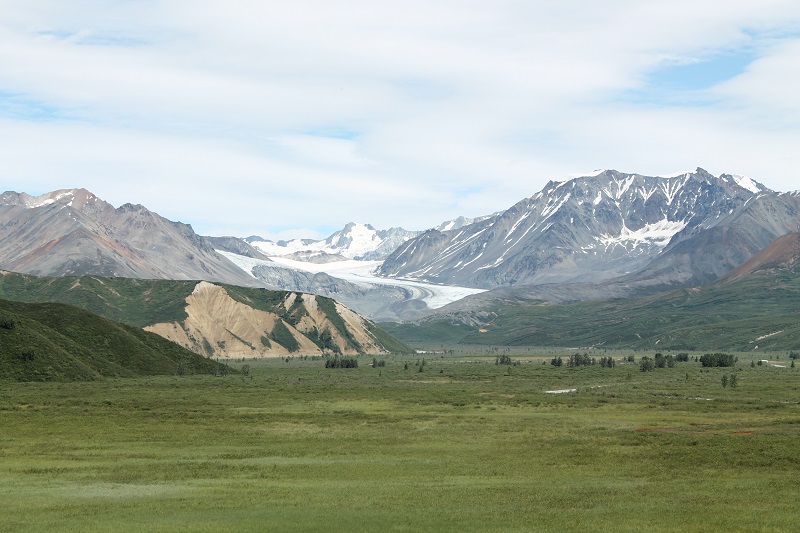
x=341, y=362
x=717, y=359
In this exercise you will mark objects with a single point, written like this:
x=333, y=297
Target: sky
x=290, y=119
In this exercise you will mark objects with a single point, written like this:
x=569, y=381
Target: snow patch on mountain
x=41, y=201
x=281, y=247
x=658, y=234
x=65, y=197
x=747, y=183
x=591, y=174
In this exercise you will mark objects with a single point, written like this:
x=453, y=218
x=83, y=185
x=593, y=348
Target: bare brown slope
x=219, y=326
x=783, y=254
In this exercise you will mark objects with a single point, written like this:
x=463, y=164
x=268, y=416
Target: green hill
x=759, y=312
x=315, y=326
x=57, y=342
x=136, y=302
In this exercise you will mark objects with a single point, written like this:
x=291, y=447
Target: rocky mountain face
x=235, y=245
x=72, y=232
x=634, y=229
x=717, y=246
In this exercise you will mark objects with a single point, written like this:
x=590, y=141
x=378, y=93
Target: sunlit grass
x=465, y=445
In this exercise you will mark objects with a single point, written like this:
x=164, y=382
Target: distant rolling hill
x=755, y=308
x=782, y=256
x=57, y=342
x=214, y=320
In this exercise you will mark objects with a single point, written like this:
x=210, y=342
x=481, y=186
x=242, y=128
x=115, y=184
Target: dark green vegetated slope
x=392, y=344
x=136, y=302
x=758, y=312
x=57, y=342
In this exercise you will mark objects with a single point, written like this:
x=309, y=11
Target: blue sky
x=691, y=82
x=292, y=119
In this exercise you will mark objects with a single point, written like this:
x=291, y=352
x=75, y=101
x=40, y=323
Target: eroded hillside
x=219, y=325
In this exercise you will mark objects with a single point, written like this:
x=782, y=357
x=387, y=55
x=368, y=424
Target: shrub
x=6, y=323
x=717, y=359
x=607, y=362
x=341, y=362
x=580, y=360
x=27, y=355
x=557, y=361
x=646, y=364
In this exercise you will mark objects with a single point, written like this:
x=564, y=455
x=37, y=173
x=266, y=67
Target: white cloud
x=247, y=115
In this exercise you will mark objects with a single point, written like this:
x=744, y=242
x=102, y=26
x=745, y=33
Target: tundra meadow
x=492, y=440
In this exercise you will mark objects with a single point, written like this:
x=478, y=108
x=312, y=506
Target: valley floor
x=463, y=445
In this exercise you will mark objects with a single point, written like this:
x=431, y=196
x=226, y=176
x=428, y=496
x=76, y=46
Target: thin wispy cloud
x=279, y=118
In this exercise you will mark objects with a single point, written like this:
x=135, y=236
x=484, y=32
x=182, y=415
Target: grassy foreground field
x=465, y=445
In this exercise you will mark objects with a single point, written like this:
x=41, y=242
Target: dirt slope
x=783, y=254
x=217, y=325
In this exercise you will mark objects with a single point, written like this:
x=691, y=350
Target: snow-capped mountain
x=73, y=232
x=607, y=226
x=361, y=242
x=460, y=222
x=355, y=241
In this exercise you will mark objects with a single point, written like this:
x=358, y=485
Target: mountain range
x=361, y=242
x=754, y=308
x=641, y=230
x=609, y=234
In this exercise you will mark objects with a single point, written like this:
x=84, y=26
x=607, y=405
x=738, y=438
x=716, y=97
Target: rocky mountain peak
x=73, y=232
x=588, y=228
